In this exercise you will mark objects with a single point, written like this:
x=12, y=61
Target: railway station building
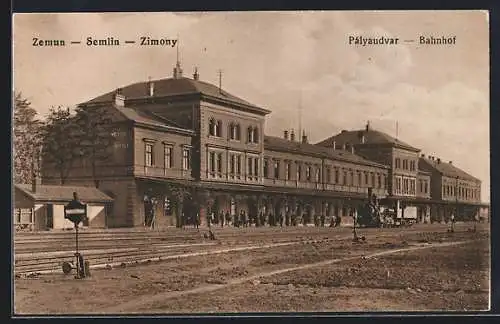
x=184, y=146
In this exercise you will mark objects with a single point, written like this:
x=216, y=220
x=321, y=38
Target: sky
x=438, y=96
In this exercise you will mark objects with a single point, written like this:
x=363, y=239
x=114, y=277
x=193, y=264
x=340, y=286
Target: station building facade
x=180, y=134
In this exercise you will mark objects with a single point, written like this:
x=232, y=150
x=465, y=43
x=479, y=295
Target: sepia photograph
x=229, y=163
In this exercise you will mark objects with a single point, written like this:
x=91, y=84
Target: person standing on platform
x=221, y=218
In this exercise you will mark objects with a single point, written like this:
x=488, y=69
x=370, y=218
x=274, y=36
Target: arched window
x=256, y=135
x=232, y=129
x=219, y=129
x=237, y=132
x=212, y=127
x=250, y=135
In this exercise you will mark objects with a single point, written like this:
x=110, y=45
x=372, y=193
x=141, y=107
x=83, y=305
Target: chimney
x=429, y=157
x=439, y=160
x=177, y=71
x=196, y=76
x=292, y=136
x=451, y=162
x=304, y=138
x=285, y=134
x=334, y=145
x=119, y=98
x=422, y=155
x=343, y=131
x=367, y=126
x=151, y=88
x=361, y=136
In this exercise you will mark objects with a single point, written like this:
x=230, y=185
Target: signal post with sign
x=76, y=212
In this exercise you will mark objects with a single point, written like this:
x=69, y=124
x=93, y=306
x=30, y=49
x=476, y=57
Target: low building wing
x=284, y=145
x=50, y=193
x=446, y=168
x=364, y=136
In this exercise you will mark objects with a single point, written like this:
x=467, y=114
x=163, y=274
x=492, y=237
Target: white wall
x=93, y=211
x=59, y=221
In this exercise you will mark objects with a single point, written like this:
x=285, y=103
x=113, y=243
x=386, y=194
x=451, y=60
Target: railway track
x=102, y=249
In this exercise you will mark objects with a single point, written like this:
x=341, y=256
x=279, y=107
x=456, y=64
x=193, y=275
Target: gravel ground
x=442, y=278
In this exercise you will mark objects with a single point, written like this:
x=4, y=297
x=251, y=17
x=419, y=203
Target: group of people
x=242, y=219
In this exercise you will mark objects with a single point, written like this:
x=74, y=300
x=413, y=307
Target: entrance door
x=49, y=220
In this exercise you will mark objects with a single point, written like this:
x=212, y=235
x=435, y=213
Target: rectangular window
x=299, y=171
x=398, y=163
x=360, y=179
x=276, y=169
x=212, y=161
x=373, y=179
x=318, y=175
x=238, y=165
x=219, y=162
x=232, y=162
x=328, y=175
x=149, y=154
x=425, y=186
x=168, y=156
x=366, y=178
x=249, y=166
x=266, y=165
x=344, y=182
x=308, y=173
x=256, y=167
x=379, y=181
x=186, y=158
x=18, y=216
x=337, y=176
x=398, y=185
x=287, y=170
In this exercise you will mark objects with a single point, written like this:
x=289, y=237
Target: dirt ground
x=439, y=278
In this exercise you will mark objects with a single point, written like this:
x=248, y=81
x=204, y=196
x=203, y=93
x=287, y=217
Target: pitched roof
x=172, y=87
x=64, y=193
x=278, y=143
x=146, y=117
x=371, y=136
x=447, y=169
